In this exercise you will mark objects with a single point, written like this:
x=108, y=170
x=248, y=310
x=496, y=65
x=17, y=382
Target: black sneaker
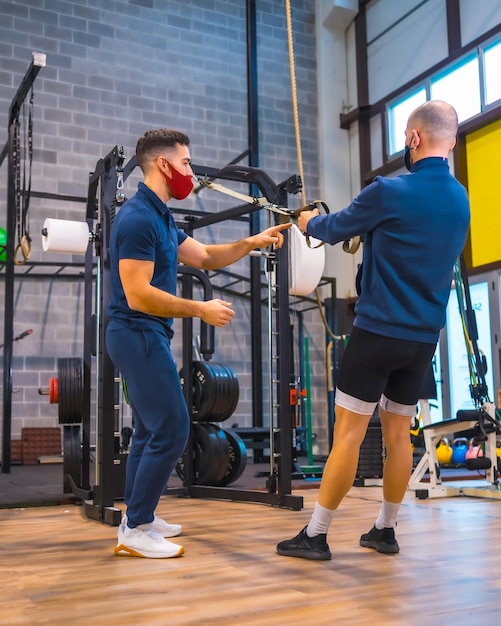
x=304, y=547
x=381, y=540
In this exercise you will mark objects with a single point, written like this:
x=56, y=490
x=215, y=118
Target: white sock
x=387, y=517
x=320, y=521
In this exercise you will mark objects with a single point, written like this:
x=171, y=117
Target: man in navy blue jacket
x=415, y=226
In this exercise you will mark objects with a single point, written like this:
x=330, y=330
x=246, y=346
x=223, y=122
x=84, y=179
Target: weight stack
x=372, y=453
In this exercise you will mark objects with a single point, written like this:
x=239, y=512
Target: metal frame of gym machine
x=102, y=506
x=38, y=62
x=105, y=183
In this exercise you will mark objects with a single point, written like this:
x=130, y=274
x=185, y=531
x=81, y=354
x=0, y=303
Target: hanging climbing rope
x=350, y=246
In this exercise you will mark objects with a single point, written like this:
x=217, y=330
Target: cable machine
x=104, y=199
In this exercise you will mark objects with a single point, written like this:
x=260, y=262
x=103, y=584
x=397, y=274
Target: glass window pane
x=459, y=372
x=460, y=86
x=398, y=114
x=492, y=63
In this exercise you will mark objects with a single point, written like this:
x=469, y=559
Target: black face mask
x=407, y=158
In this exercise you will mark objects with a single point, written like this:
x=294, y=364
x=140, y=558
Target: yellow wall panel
x=483, y=156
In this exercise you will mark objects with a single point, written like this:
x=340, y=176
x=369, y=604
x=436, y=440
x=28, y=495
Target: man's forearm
x=221, y=255
x=154, y=301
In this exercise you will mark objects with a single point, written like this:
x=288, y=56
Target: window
x=459, y=371
x=459, y=86
x=492, y=63
x=398, y=115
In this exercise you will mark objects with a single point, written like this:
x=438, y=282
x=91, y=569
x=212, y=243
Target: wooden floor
x=58, y=567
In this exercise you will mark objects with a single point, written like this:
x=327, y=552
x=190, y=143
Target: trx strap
x=264, y=203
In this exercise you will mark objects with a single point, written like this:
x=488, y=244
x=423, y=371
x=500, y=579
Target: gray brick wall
x=114, y=70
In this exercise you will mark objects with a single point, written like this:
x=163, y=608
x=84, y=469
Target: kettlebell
x=474, y=452
x=460, y=447
x=444, y=451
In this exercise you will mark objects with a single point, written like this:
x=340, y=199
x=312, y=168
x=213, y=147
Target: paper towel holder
x=92, y=235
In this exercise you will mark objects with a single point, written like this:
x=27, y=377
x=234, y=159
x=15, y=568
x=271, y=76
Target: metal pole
x=255, y=262
x=9, y=306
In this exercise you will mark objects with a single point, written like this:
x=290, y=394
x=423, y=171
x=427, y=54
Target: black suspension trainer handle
x=294, y=215
x=310, y=207
x=350, y=246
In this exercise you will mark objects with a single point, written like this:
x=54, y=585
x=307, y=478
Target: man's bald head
x=431, y=130
x=437, y=119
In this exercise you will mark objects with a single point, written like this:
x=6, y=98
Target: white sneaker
x=160, y=526
x=145, y=543
x=165, y=529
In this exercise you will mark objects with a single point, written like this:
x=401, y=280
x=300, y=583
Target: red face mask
x=180, y=185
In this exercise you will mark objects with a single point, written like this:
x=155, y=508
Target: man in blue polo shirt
x=415, y=227
x=145, y=248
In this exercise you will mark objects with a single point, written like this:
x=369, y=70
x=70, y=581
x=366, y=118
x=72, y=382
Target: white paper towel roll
x=306, y=264
x=65, y=236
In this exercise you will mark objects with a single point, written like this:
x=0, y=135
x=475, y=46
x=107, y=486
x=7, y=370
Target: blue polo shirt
x=144, y=229
x=415, y=227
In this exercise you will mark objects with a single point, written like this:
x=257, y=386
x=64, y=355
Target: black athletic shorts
x=373, y=365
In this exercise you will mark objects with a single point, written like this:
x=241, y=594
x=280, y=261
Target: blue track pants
x=161, y=419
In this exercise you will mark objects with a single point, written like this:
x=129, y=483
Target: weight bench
x=467, y=423
x=258, y=439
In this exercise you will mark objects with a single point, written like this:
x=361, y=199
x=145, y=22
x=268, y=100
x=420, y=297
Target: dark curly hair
x=153, y=142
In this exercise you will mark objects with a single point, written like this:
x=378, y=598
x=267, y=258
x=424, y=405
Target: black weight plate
x=218, y=382
x=183, y=381
x=229, y=399
x=213, y=453
x=204, y=382
x=63, y=395
x=233, y=392
x=219, y=392
x=215, y=391
x=72, y=455
x=66, y=392
x=210, y=455
x=180, y=467
x=70, y=391
x=237, y=458
x=199, y=380
x=225, y=393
